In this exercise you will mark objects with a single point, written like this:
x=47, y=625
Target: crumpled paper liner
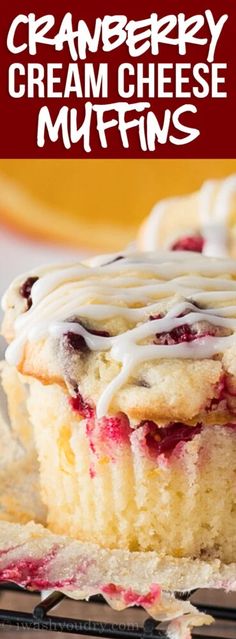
x=20, y=499
x=35, y=558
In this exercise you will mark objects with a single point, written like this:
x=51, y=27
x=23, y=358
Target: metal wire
x=39, y=619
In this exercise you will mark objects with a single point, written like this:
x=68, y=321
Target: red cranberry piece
x=193, y=243
x=111, y=589
x=178, y=335
x=26, y=288
x=115, y=430
x=165, y=440
x=78, y=343
x=82, y=407
x=184, y=334
x=107, y=435
x=214, y=403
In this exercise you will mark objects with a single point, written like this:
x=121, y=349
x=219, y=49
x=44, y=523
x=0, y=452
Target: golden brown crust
x=176, y=390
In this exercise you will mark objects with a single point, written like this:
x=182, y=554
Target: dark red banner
x=118, y=80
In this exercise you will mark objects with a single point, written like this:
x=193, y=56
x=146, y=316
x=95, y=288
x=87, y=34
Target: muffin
x=204, y=222
x=129, y=365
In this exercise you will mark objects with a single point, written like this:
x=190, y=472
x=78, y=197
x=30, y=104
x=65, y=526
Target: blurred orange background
x=94, y=204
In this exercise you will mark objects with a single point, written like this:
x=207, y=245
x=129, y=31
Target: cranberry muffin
x=129, y=362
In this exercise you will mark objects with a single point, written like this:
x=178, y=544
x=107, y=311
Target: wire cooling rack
x=40, y=619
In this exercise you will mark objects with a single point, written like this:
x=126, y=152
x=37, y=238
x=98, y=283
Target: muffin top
x=152, y=335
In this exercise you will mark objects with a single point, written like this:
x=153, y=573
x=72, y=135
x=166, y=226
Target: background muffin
x=204, y=221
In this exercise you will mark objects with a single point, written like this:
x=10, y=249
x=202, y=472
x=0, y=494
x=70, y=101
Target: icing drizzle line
x=134, y=288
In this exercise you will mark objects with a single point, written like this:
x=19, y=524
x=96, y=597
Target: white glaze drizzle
x=213, y=213
x=213, y=233
x=214, y=205
x=112, y=290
